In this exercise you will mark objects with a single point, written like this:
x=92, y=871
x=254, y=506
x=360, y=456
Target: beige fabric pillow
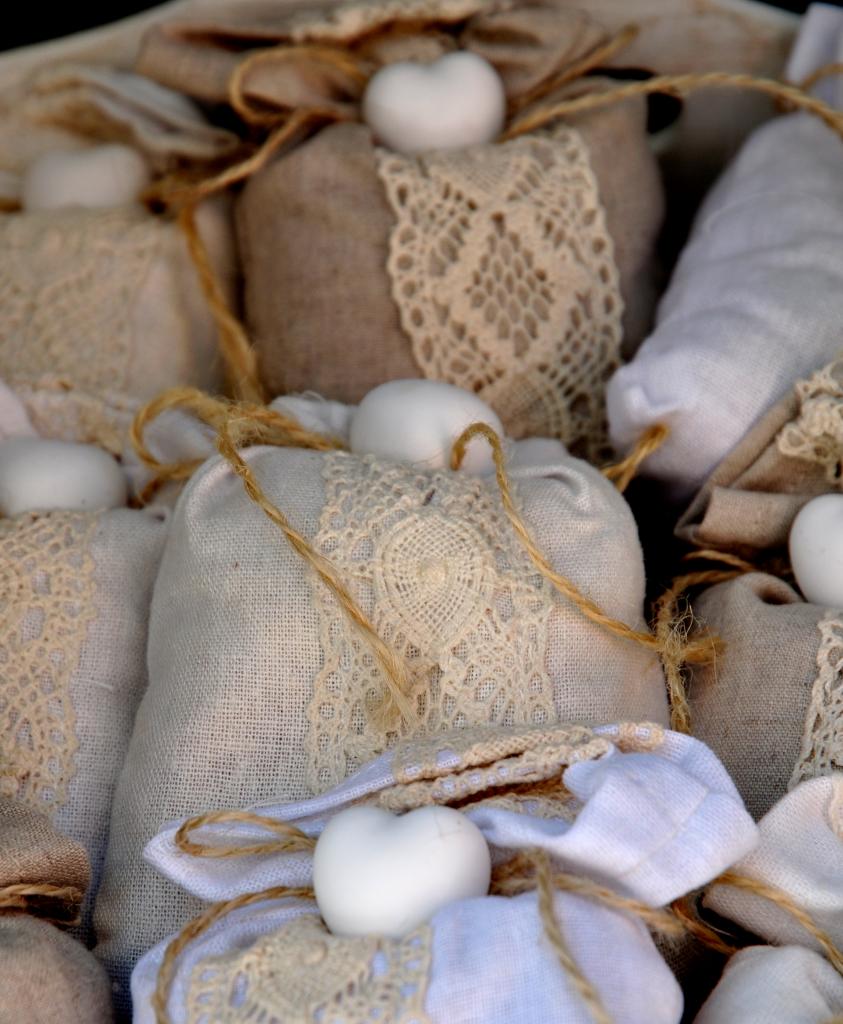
x=75, y=590
x=259, y=688
x=769, y=706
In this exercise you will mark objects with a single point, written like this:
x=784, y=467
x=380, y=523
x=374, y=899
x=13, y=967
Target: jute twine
x=36, y=897
x=525, y=872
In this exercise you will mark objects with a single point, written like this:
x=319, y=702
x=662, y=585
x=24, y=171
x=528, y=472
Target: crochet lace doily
x=302, y=974
x=822, y=740
x=433, y=563
x=68, y=286
x=46, y=603
x=816, y=434
x=503, y=273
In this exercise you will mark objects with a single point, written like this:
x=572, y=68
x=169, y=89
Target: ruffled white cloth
x=756, y=300
x=652, y=826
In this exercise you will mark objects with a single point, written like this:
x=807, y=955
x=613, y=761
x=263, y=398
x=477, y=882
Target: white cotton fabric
x=800, y=851
x=237, y=643
x=651, y=826
x=755, y=302
x=765, y=985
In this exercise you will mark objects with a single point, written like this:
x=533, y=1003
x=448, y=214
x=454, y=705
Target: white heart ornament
x=816, y=550
x=102, y=176
x=418, y=421
x=38, y=474
x=378, y=874
x=454, y=102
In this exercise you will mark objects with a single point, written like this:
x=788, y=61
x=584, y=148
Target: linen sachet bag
x=755, y=302
x=794, y=454
x=48, y=976
x=769, y=705
x=777, y=674
x=800, y=855
x=513, y=269
x=647, y=814
x=101, y=307
x=260, y=687
x=75, y=590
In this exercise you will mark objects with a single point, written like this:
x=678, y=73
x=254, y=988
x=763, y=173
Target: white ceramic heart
x=453, y=102
x=37, y=474
x=418, y=421
x=102, y=176
x=378, y=874
x=816, y=550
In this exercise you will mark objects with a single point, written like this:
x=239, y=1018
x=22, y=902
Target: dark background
x=36, y=23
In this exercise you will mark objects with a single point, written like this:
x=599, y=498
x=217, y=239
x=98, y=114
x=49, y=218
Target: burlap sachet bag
x=75, y=590
x=769, y=704
x=755, y=301
x=748, y=504
x=800, y=856
x=101, y=309
x=575, y=794
x=48, y=977
x=514, y=270
x=259, y=685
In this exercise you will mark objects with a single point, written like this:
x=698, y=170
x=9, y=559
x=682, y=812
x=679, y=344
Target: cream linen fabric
x=75, y=590
x=257, y=687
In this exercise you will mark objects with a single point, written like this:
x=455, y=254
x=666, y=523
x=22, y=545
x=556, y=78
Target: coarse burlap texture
x=767, y=705
x=335, y=274
x=748, y=504
x=755, y=303
x=768, y=985
x=259, y=688
x=646, y=813
x=48, y=977
x=75, y=591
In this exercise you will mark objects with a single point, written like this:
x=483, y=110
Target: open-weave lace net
x=822, y=740
x=503, y=272
x=302, y=974
x=434, y=565
x=816, y=434
x=68, y=289
x=46, y=604
x=516, y=766
x=57, y=410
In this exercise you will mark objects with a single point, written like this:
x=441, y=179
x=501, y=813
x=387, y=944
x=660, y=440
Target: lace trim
x=822, y=741
x=57, y=410
x=433, y=563
x=302, y=974
x=816, y=435
x=513, y=765
x=504, y=276
x=68, y=286
x=46, y=603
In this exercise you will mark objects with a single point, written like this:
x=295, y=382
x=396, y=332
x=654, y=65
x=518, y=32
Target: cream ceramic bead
x=816, y=550
x=418, y=421
x=378, y=874
x=37, y=474
x=455, y=101
x=102, y=176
